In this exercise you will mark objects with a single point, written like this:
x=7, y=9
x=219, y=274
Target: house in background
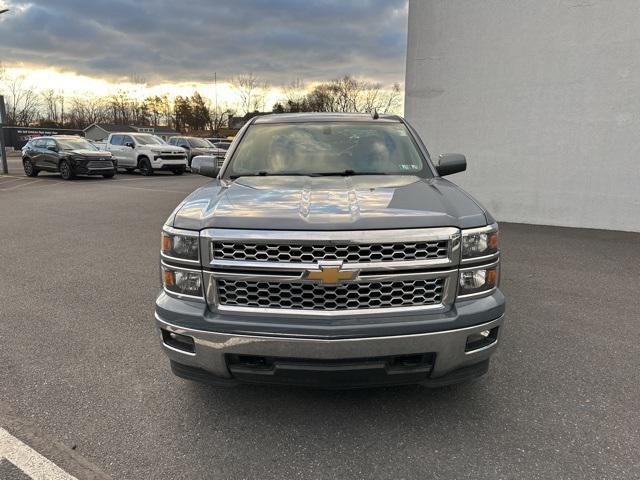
x=236, y=123
x=100, y=131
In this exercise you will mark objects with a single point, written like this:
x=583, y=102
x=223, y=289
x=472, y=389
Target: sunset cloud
x=162, y=41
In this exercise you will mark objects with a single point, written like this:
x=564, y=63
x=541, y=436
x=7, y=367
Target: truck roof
x=323, y=117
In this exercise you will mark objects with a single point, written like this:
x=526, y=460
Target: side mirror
x=205, y=165
x=130, y=145
x=450, y=163
x=52, y=148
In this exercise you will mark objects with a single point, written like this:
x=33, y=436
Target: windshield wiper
x=343, y=173
x=346, y=173
x=269, y=174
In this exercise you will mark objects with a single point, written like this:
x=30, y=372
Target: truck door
x=182, y=142
x=114, y=145
x=129, y=155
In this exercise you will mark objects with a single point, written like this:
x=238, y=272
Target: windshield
x=199, y=143
x=78, y=144
x=148, y=140
x=323, y=148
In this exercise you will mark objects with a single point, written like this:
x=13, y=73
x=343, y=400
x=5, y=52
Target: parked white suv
x=146, y=152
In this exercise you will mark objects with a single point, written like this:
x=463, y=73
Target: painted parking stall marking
x=17, y=458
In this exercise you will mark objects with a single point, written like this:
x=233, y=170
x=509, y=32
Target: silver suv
x=329, y=251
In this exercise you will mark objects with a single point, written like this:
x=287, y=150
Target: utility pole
x=3, y=116
x=3, y=153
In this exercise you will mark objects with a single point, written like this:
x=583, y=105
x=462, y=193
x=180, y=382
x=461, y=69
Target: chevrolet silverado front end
x=359, y=268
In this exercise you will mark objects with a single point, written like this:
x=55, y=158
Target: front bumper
x=88, y=167
x=160, y=163
x=211, y=350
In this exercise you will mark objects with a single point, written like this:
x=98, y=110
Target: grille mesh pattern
x=100, y=164
x=348, y=296
x=349, y=253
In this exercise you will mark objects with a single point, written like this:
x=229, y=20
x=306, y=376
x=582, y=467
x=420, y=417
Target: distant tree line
x=195, y=113
x=346, y=94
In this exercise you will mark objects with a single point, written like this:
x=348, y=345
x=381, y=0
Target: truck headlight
x=180, y=244
x=182, y=281
x=475, y=281
x=479, y=242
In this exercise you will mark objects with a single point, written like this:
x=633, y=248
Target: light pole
x=3, y=153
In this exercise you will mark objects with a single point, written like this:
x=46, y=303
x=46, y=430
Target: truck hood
x=329, y=203
x=165, y=149
x=205, y=151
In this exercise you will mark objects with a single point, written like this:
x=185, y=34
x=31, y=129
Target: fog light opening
x=481, y=339
x=179, y=342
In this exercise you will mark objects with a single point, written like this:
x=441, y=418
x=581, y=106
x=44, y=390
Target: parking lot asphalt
x=82, y=363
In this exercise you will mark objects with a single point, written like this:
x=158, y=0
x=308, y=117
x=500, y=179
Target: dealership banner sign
x=16, y=137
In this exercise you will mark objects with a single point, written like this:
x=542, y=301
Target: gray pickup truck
x=329, y=251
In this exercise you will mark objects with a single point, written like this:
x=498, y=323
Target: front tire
x=145, y=167
x=29, y=169
x=108, y=175
x=65, y=170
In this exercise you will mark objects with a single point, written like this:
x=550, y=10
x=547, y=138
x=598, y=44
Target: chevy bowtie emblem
x=330, y=273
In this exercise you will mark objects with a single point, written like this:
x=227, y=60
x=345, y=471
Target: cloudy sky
x=186, y=41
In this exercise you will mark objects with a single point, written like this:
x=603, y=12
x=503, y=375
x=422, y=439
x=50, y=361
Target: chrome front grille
x=330, y=273
x=348, y=296
x=311, y=253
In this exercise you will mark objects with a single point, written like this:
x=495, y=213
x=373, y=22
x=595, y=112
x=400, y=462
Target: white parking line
x=19, y=185
x=28, y=460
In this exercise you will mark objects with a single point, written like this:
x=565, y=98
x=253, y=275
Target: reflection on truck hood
x=329, y=203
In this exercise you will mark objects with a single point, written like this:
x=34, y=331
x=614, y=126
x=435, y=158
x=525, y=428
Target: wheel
x=178, y=171
x=108, y=175
x=29, y=169
x=145, y=167
x=65, y=170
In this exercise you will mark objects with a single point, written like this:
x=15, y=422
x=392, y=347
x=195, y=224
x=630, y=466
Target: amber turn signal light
x=166, y=243
x=493, y=241
x=169, y=278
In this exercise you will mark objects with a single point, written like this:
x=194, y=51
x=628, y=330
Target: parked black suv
x=69, y=155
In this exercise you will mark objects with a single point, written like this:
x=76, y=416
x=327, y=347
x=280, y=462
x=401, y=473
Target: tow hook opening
x=178, y=341
x=481, y=339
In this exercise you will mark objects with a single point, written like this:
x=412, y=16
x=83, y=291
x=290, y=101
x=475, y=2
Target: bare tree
x=295, y=95
x=219, y=117
x=346, y=94
x=53, y=106
x=251, y=91
x=22, y=101
x=87, y=110
x=392, y=99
